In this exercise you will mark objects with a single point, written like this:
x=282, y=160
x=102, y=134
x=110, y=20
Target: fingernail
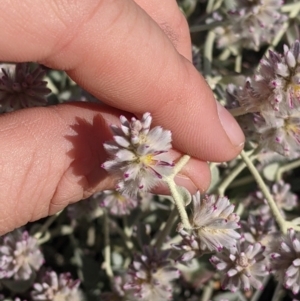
x=231, y=127
x=186, y=182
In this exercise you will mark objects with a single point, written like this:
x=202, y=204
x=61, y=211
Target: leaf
x=184, y=194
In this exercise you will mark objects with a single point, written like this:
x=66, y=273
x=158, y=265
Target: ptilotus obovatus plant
x=212, y=226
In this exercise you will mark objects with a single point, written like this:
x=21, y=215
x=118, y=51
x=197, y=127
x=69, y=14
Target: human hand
x=135, y=57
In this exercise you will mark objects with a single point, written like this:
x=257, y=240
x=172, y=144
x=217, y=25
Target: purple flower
x=273, y=95
x=285, y=260
x=138, y=154
x=117, y=203
x=257, y=229
x=150, y=276
x=22, y=88
x=252, y=23
x=20, y=256
x=53, y=287
x=214, y=223
x=242, y=267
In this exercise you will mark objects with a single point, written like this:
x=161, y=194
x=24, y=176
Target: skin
x=134, y=56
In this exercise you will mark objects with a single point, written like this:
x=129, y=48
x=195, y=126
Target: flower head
x=252, y=23
x=20, y=256
x=242, y=267
x=117, y=203
x=285, y=260
x=273, y=96
x=57, y=288
x=22, y=88
x=138, y=154
x=151, y=275
x=214, y=222
x=257, y=229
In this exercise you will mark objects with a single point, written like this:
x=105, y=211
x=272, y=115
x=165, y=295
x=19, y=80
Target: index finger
x=119, y=54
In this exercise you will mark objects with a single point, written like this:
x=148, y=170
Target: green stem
x=281, y=170
x=209, y=7
x=179, y=165
x=239, y=111
x=276, y=213
x=208, y=52
x=287, y=8
x=232, y=175
x=166, y=229
x=107, y=248
x=209, y=26
x=208, y=291
x=46, y=225
x=178, y=203
x=293, y=12
x=238, y=63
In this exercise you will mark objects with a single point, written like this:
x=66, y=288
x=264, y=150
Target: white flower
x=150, y=276
x=55, y=287
x=20, y=255
x=242, y=267
x=138, y=154
x=214, y=222
x=285, y=260
x=117, y=203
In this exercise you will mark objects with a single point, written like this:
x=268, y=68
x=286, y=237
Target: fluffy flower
x=284, y=198
x=20, y=256
x=214, y=222
x=257, y=229
x=117, y=203
x=242, y=267
x=138, y=154
x=252, y=23
x=22, y=88
x=273, y=95
x=56, y=288
x=285, y=260
x=151, y=275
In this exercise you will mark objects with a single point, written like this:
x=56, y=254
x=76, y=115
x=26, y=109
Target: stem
x=224, y=55
x=293, y=12
x=233, y=174
x=283, y=225
x=107, y=249
x=279, y=292
x=238, y=63
x=166, y=229
x=281, y=170
x=239, y=111
x=208, y=52
x=208, y=291
x=287, y=8
x=46, y=225
x=179, y=165
x=125, y=239
x=213, y=25
x=209, y=7
x=178, y=203
x=258, y=292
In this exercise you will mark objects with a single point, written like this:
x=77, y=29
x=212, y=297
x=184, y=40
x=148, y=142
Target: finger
x=170, y=19
x=119, y=54
x=51, y=157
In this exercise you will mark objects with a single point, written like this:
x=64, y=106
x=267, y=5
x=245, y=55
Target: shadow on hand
x=88, y=154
